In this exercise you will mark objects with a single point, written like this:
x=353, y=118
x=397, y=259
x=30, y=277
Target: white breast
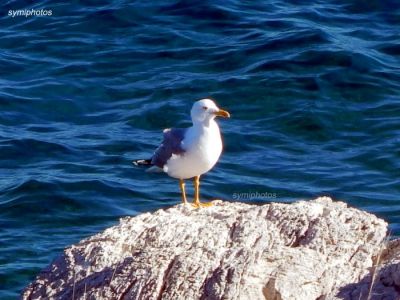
x=203, y=148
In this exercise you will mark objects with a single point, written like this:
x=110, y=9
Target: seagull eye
x=205, y=107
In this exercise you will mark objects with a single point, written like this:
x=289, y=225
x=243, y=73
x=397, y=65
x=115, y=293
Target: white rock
x=318, y=249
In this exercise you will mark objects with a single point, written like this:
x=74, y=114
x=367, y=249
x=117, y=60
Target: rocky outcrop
x=318, y=249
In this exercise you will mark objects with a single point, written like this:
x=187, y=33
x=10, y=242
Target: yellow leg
x=182, y=186
x=197, y=203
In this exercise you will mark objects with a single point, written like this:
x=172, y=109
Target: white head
x=205, y=110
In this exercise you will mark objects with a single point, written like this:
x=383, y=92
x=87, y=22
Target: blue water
x=313, y=90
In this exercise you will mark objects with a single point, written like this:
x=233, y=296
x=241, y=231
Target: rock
x=318, y=249
x=383, y=281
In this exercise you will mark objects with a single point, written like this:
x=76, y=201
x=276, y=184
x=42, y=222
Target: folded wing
x=171, y=144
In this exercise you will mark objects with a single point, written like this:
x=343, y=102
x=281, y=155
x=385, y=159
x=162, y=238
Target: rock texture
x=383, y=280
x=318, y=249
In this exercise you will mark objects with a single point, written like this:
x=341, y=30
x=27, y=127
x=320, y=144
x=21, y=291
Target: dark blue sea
x=312, y=87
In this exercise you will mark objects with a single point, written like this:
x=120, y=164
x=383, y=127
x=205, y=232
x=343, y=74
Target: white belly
x=201, y=155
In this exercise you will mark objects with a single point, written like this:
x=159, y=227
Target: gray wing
x=172, y=144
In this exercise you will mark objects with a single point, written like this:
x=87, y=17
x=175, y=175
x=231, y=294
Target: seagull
x=190, y=152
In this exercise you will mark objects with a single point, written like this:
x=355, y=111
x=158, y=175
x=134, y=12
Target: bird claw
x=199, y=204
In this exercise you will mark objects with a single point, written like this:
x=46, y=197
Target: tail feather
x=142, y=162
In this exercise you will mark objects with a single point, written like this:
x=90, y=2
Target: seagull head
x=205, y=110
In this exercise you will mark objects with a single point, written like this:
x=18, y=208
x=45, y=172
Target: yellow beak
x=222, y=113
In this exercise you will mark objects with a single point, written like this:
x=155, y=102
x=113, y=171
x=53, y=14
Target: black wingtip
x=142, y=162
